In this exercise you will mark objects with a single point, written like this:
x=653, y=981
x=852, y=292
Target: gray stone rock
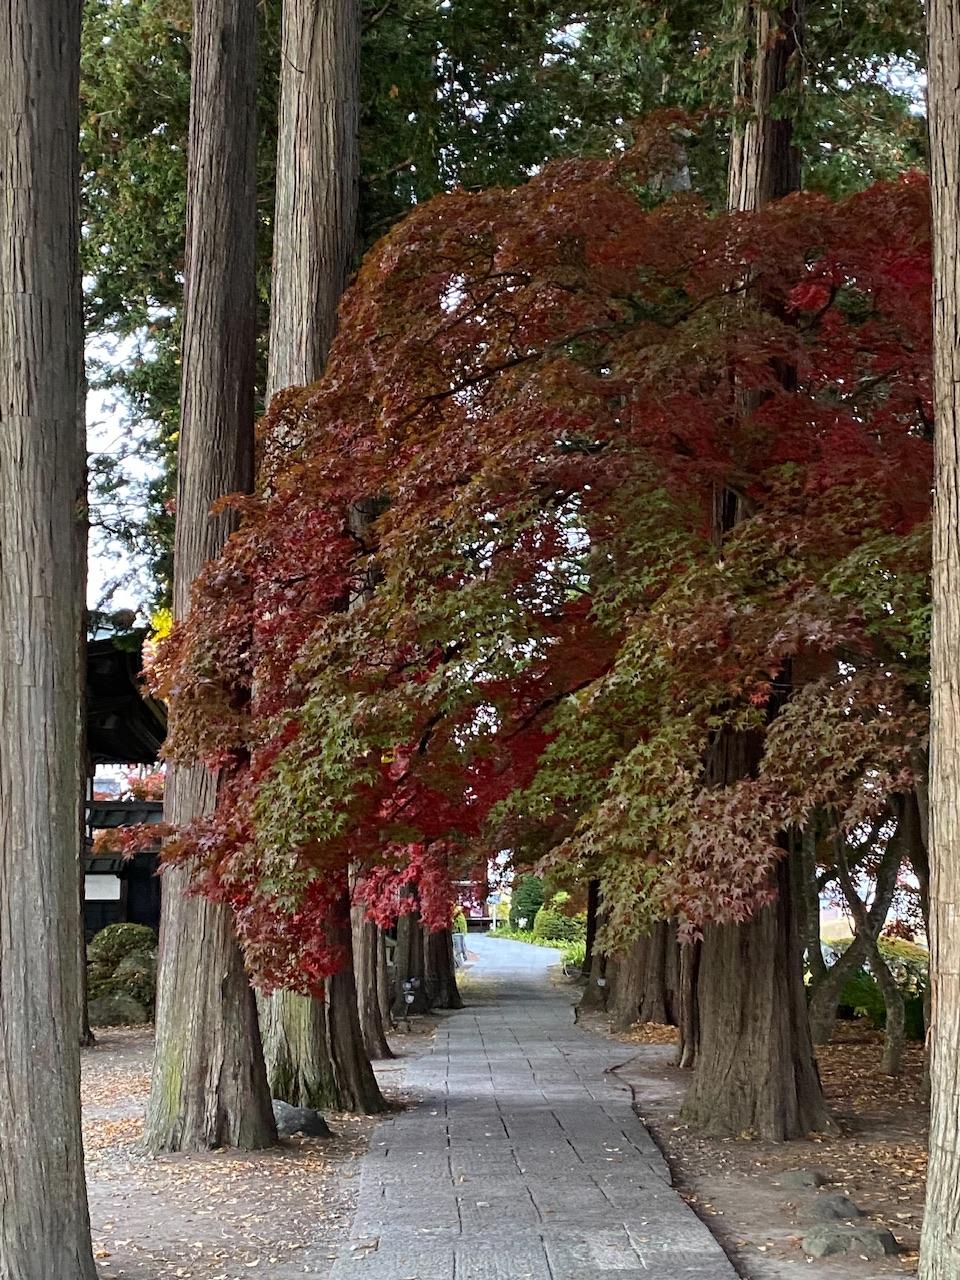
x=802, y=1178
x=302, y=1120
x=831, y=1207
x=117, y=1010
x=833, y=1238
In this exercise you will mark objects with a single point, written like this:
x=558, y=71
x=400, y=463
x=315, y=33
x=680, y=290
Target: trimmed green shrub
x=459, y=921
x=554, y=925
x=526, y=901
x=111, y=944
x=122, y=970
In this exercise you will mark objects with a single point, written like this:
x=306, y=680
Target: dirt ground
x=878, y=1158
x=219, y=1216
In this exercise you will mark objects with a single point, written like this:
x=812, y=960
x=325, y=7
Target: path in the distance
x=524, y=1159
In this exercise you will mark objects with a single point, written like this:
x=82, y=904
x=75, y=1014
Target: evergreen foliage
x=526, y=901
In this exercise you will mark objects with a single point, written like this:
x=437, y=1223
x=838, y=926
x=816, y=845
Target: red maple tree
x=539, y=396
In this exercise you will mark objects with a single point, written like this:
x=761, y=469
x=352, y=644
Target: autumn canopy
x=486, y=597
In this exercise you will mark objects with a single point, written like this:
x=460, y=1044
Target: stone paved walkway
x=524, y=1160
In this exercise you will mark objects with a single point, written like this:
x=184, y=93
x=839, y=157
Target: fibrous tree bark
x=383, y=981
x=764, y=163
x=755, y=1069
x=439, y=970
x=940, y=1244
x=315, y=237
x=356, y=1082
x=367, y=945
x=647, y=986
x=409, y=969
x=296, y=1050
x=209, y=1086
x=318, y=165
x=593, y=907
x=44, y=1223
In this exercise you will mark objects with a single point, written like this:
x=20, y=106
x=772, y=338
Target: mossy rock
x=117, y=1010
x=97, y=974
x=143, y=963
x=116, y=941
x=136, y=976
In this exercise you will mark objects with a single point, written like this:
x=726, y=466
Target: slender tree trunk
x=383, y=982
x=826, y=991
x=356, y=1081
x=44, y=1223
x=689, y=1005
x=807, y=899
x=940, y=1244
x=822, y=1010
x=593, y=908
x=409, y=965
x=895, y=1031
x=314, y=243
x=440, y=978
x=209, y=1085
x=366, y=954
x=596, y=993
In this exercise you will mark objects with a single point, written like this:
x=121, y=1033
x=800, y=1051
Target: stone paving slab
x=524, y=1159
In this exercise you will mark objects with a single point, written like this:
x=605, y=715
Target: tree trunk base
x=296, y=1051
x=440, y=977
x=209, y=1086
x=755, y=1071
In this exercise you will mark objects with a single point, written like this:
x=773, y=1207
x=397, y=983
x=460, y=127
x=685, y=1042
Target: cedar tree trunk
x=356, y=1082
x=593, y=908
x=409, y=964
x=315, y=236
x=755, y=1069
x=297, y=1051
x=209, y=1085
x=383, y=981
x=366, y=956
x=764, y=163
x=44, y=1223
x=940, y=1244
x=440, y=976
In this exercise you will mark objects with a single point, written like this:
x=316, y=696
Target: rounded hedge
x=112, y=944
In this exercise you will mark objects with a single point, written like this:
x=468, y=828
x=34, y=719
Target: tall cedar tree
x=754, y=1069
x=314, y=1048
x=940, y=1246
x=44, y=1226
x=209, y=1086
